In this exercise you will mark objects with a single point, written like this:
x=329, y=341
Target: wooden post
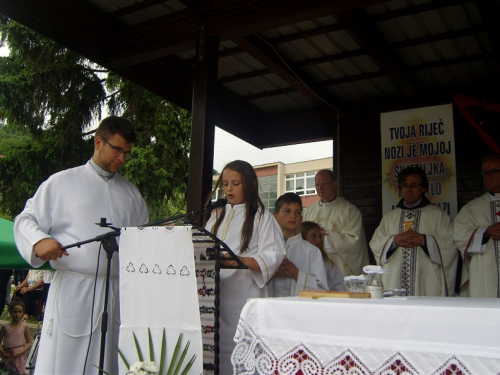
x=203, y=125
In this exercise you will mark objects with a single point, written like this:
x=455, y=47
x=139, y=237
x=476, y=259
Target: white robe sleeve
x=32, y=225
x=469, y=231
x=314, y=275
x=271, y=248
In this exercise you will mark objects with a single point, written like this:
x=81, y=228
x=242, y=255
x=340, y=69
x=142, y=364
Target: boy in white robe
x=415, y=242
x=64, y=211
x=303, y=267
x=342, y=224
x=477, y=235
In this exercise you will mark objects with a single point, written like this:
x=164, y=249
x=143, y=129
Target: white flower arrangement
x=143, y=367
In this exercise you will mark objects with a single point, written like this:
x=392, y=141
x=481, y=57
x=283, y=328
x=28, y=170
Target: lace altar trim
x=253, y=356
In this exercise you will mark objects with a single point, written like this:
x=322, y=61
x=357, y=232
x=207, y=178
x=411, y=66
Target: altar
x=407, y=335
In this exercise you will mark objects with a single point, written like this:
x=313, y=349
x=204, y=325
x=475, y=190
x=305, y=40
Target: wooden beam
x=269, y=56
x=201, y=156
x=230, y=20
x=372, y=40
x=490, y=10
x=77, y=25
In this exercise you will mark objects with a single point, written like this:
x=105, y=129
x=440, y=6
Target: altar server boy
x=303, y=267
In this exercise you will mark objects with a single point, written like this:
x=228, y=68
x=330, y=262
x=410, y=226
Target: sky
x=229, y=148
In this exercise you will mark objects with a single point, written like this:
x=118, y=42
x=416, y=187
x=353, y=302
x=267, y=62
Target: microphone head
x=218, y=204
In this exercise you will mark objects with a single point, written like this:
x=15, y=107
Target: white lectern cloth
x=158, y=290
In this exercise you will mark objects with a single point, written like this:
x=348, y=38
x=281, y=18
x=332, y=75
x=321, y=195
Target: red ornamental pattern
x=252, y=355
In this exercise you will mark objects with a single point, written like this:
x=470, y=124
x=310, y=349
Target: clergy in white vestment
x=477, y=235
x=344, y=235
x=415, y=242
x=62, y=212
x=303, y=267
x=253, y=234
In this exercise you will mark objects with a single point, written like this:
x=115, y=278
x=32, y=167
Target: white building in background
x=278, y=178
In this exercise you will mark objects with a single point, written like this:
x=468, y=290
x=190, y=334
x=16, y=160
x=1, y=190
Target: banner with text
x=421, y=137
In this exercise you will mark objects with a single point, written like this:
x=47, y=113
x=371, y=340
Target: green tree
x=50, y=100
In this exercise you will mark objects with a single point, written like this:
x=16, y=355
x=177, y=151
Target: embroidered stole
x=409, y=219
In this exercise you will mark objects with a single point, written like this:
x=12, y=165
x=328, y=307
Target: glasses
x=490, y=172
x=323, y=184
x=411, y=186
x=117, y=149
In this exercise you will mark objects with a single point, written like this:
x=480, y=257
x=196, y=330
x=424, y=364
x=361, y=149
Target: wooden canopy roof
x=277, y=72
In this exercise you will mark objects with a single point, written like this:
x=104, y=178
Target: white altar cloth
x=158, y=292
x=415, y=335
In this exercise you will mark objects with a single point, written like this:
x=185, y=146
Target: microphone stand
x=108, y=241
x=110, y=245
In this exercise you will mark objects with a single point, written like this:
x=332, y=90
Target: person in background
x=253, y=234
x=415, y=242
x=341, y=223
x=64, y=210
x=30, y=290
x=303, y=267
x=477, y=235
x=15, y=337
x=311, y=232
x=5, y=285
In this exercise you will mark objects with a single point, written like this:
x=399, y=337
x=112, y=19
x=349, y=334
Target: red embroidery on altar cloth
x=452, y=366
x=298, y=361
x=396, y=365
x=346, y=363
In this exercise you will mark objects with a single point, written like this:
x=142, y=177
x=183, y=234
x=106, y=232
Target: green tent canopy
x=9, y=256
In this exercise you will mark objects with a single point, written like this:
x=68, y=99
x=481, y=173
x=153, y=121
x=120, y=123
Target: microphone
x=218, y=204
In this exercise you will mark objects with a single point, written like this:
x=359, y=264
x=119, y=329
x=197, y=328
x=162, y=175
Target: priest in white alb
x=64, y=211
x=477, y=235
x=415, y=242
x=342, y=225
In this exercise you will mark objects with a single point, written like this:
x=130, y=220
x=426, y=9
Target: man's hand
x=49, y=249
x=409, y=239
x=493, y=231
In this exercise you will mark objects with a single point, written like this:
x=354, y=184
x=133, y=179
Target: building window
x=300, y=183
x=268, y=191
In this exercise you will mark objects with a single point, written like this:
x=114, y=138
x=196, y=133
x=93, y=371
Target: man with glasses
x=342, y=225
x=477, y=235
x=64, y=211
x=415, y=242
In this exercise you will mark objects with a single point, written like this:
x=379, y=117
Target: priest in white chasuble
x=341, y=223
x=64, y=211
x=477, y=235
x=415, y=242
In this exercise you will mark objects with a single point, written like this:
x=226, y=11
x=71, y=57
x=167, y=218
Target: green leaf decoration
x=183, y=356
x=122, y=357
x=151, y=348
x=176, y=362
x=138, y=347
x=163, y=351
x=174, y=356
x=189, y=365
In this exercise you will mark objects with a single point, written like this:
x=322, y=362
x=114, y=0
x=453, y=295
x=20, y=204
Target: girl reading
x=253, y=234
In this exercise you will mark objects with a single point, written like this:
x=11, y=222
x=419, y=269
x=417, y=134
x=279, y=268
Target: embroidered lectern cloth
x=158, y=291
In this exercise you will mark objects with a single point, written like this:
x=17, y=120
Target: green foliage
x=51, y=97
x=176, y=364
